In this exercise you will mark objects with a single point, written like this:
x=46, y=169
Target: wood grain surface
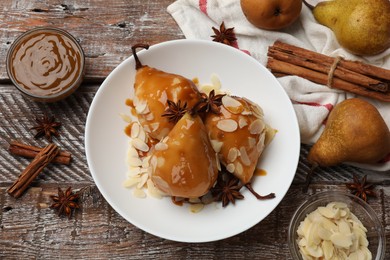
x=30, y=229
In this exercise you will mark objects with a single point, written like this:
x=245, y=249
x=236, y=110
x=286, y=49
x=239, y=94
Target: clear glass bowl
x=364, y=212
x=46, y=64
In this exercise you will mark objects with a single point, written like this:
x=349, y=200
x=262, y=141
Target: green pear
x=360, y=26
x=355, y=132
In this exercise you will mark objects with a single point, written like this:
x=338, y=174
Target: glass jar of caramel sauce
x=46, y=64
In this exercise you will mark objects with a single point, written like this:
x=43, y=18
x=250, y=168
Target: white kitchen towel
x=312, y=102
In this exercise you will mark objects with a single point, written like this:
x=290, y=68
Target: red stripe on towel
x=203, y=6
x=314, y=104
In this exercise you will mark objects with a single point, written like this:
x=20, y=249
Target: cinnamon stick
x=29, y=151
x=43, y=158
x=355, y=77
x=324, y=67
x=356, y=66
x=320, y=78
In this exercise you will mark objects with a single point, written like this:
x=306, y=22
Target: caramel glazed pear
x=196, y=132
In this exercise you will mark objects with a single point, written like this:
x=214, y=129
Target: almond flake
x=218, y=162
x=133, y=171
x=140, y=145
x=232, y=155
x=154, y=126
x=260, y=143
x=138, y=193
x=161, y=146
x=217, y=145
x=142, y=108
x=134, y=161
x=135, y=130
x=242, y=122
x=149, y=117
x=227, y=125
x=130, y=182
x=230, y=167
x=239, y=170
x=145, y=161
x=195, y=208
x=152, y=190
x=251, y=142
x=142, y=181
x=256, y=127
x=125, y=118
x=232, y=105
x=131, y=151
x=257, y=111
x=246, y=112
x=160, y=162
x=244, y=156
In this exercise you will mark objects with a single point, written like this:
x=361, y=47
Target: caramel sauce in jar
x=46, y=64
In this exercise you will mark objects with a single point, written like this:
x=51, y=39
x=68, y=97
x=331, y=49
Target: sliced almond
x=260, y=143
x=142, y=181
x=135, y=127
x=242, y=122
x=218, y=161
x=251, y=142
x=140, y=145
x=232, y=105
x=232, y=155
x=154, y=126
x=130, y=182
x=238, y=168
x=256, y=127
x=152, y=190
x=195, y=208
x=149, y=117
x=341, y=240
x=142, y=108
x=134, y=161
x=217, y=145
x=227, y=125
x=160, y=161
x=161, y=146
x=230, y=167
x=244, y=156
x=139, y=193
x=125, y=118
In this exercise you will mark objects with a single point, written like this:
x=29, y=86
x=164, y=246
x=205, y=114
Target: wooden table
x=30, y=229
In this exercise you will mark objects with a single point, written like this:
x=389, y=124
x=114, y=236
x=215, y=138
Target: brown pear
x=184, y=163
x=152, y=90
x=239, y=135
x=355, y=132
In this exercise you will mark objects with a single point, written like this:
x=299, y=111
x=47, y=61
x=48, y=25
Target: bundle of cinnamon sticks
x=351, y=76
x=41, y=158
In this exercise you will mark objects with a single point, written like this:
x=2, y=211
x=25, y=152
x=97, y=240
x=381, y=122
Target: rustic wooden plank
x=18, y=116
x=105, y=29
x=29, y=229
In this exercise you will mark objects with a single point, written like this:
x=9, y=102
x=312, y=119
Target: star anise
x=46, y=126
x=360, y=188
x=210, y=103
x=65, y=202
x=227, y=189
x=223, y=35
x=175, y=111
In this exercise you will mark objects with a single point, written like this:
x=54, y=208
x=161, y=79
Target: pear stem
x=138, y=64
x=311, y=7
x=308, y=177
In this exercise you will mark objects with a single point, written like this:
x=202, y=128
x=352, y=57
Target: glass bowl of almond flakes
x=336, y=225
